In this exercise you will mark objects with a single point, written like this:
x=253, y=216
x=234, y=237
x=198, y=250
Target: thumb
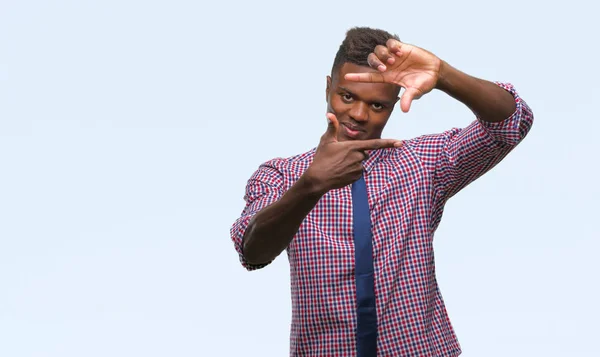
x=408, y=96
x=332, y=129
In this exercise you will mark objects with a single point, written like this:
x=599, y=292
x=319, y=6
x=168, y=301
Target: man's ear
x=327, y=88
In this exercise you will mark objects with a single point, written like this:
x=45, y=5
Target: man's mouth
x=352, y=131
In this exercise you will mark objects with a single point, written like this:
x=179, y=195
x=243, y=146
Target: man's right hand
x=338, y=164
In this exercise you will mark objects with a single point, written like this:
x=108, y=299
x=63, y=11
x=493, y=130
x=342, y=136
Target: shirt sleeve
x=468, y=153
x=264, y=187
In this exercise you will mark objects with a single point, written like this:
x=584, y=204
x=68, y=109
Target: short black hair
x=359, y=42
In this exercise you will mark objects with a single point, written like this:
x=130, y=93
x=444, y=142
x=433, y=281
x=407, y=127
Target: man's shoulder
x=295, y=163
x=424, y=149
x=429, y=140
x=305, y=157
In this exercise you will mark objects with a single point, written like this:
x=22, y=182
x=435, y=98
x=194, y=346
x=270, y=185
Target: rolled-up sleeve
x=264, y=187
x=468, y=153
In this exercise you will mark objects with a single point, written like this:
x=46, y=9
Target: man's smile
x=352, y=131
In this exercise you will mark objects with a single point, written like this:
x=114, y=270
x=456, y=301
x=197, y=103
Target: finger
x=394, y=46
x=408, y=96
x=384, y=54
x=359, y=155
x=365, y=155
x=364, y=77
x=374, y=144
x=333, y=127
x=375, y=62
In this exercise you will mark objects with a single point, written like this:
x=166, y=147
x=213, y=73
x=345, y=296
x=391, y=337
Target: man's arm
x=271, y=216
x=468, y=153
x=487, y=100
x=271, y=230
x=458, y=156
x=503, y=120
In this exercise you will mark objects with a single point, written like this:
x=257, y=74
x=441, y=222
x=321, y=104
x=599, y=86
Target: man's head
x=362, y=109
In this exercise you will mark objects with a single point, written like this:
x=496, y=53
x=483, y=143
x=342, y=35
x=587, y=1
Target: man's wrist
x=309, y=186
x=445, y=77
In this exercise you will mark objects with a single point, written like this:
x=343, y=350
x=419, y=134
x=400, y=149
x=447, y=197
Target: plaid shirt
x=407, y=190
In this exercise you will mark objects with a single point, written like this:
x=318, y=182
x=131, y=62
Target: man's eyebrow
x=388, y=103
x=346, y=90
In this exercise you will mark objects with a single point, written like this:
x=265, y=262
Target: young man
x=357, y=214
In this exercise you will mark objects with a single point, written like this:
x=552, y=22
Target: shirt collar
x=374, y=157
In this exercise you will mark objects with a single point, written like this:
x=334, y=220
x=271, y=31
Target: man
x=357, y=214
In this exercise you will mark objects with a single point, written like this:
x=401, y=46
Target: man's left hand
x=410, y=67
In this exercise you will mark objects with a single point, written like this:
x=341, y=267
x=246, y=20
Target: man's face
x=362, y=109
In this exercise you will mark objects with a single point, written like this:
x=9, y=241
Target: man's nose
x=360, y=111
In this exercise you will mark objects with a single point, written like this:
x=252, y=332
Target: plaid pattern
x=407, y=188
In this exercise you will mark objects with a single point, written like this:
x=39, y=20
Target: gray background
x=128, y=130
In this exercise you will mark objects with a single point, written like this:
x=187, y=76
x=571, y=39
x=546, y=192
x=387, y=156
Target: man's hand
x=338, y=164
x=410, y=67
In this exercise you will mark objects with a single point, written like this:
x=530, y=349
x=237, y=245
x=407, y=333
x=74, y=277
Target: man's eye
x=347, y=97
x=377, y=106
